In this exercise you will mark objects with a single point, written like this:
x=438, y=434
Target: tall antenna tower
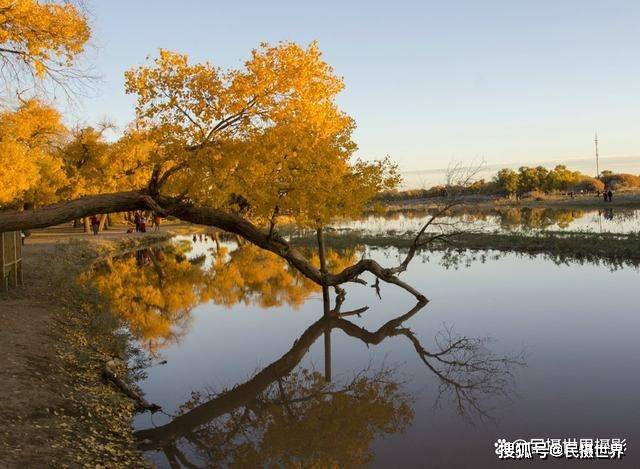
x=597, y=158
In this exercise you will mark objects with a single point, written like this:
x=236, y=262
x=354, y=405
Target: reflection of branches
x=305, y=405
x=261, y=416
x=437, y=228
x=467, y=370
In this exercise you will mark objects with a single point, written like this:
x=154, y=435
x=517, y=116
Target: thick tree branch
x=278, y=245
x=230, y=222
x=68, y=211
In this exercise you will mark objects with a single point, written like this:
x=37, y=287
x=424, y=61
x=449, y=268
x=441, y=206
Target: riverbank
x=622, y=199
x=612, y=249
x=55, y=337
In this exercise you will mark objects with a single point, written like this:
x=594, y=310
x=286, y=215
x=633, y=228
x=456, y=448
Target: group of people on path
x=140, y=221
x=607, y=195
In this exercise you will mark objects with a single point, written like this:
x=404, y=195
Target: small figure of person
x=610, y=195
x=143, y=223
x=95, y=224
x=136, y=217
x=605, y=195
x=157, y=221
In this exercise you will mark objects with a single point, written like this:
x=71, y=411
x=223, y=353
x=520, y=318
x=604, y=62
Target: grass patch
x=614, y=250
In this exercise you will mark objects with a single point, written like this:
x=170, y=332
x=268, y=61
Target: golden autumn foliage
x=93, y=165
x=269, y=133
x=241, y=149
x=267, y=136
x=40, y=38
x=39, y=41
x=30, y=171
x=43, y=162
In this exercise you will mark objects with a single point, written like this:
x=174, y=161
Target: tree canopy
x=240, y=149
x=39, y=41
x=268, y=134
x=31, y=172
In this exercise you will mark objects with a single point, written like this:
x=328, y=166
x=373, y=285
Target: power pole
x=597, y=158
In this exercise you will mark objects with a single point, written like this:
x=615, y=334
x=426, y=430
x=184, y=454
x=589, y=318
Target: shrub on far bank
x=619, y=181
x=537, y=183
x=589, y=184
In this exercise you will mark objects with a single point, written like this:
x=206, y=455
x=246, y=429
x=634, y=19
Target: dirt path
x=28, y=391
x=56, y=410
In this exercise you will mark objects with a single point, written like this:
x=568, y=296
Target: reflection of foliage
x=286, y=418
x=333, y=424
x=251, y=275
x=154, y=290
x=527, y=218
x=506, y=218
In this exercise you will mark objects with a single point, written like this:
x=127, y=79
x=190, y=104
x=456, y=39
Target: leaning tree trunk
x=226, y=221
x=67, y=211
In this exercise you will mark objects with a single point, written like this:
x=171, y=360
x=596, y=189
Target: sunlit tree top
x=269, y=134
x=40, y=40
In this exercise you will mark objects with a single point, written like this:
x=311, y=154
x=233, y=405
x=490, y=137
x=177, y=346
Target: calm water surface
x=507, y=348
x=509, y=219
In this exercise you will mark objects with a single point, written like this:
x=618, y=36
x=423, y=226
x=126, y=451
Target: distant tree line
x=526, y=180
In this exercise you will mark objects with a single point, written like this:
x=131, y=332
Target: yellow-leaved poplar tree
x=31, y=172
x=242, y=149
x=268, y=136
x=40, y=39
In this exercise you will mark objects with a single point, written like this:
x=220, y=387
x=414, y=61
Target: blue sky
x=427, y=82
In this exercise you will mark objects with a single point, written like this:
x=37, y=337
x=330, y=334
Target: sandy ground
x=28, y=392
x=31, y=382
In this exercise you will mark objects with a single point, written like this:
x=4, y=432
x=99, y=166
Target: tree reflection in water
x=284, y=415
x=288, y=417
x=154, y=290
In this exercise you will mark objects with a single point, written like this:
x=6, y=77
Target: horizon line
x=564, y=161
